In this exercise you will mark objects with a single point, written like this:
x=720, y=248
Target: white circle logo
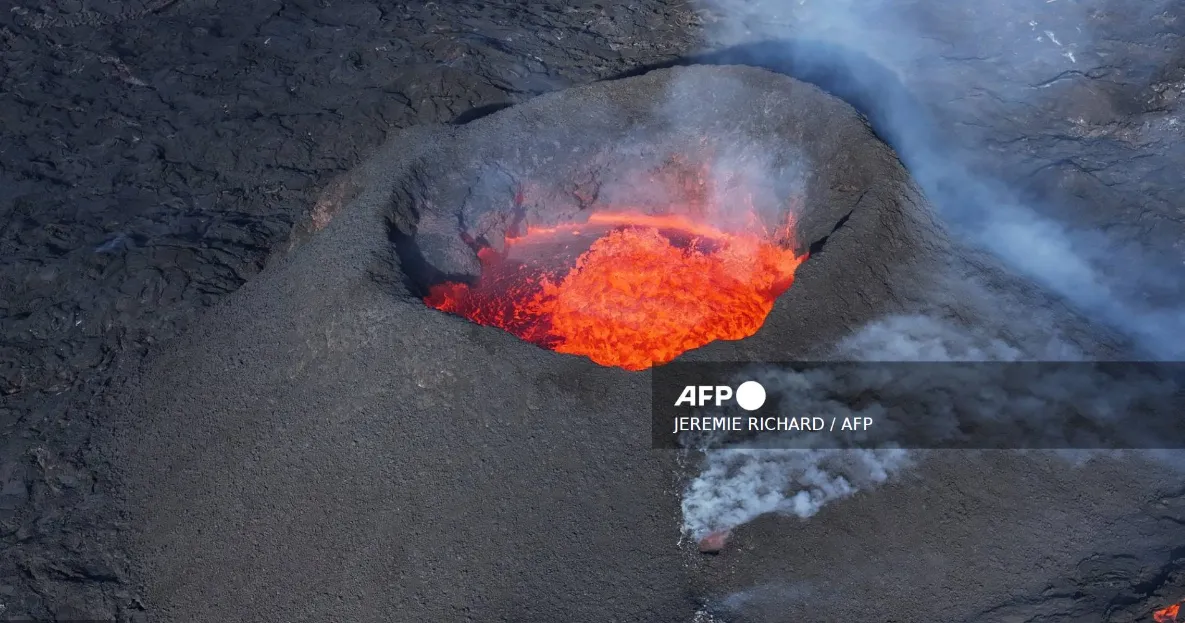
x=750, y=395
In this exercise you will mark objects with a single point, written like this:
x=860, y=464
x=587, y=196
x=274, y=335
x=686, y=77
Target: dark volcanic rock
x=157, y=152
x=325, y=445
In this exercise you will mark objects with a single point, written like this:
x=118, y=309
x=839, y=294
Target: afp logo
x=749, y=395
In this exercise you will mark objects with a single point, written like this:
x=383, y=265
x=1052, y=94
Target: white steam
x=1022, y=405
x=736, y=486
x=920, y=338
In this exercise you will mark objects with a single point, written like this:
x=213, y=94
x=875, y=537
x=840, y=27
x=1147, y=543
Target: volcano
x=438, y=405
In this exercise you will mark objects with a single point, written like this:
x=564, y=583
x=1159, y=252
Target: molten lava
x=1167, y=615
x=636, y=290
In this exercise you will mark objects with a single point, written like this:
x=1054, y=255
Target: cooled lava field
x=350, y=310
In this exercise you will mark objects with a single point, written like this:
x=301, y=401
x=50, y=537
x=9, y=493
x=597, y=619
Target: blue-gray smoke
x=911, y=67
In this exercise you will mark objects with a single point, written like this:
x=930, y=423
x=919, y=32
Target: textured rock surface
x=155, y=153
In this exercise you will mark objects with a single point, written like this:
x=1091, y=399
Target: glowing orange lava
x=1167, y=615
x=643, y=289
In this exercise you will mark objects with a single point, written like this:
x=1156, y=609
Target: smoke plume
x=737, y=485
x=912, y=67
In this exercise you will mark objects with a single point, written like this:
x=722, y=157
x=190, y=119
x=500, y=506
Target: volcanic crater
x=633, y=232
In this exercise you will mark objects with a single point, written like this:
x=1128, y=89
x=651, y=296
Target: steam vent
x=439, y=404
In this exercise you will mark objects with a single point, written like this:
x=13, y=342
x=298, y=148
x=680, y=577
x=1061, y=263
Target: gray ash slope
x=322, y=445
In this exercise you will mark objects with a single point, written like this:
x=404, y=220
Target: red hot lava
x=714, y=542
x=1168, y=614
x=644, y=289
